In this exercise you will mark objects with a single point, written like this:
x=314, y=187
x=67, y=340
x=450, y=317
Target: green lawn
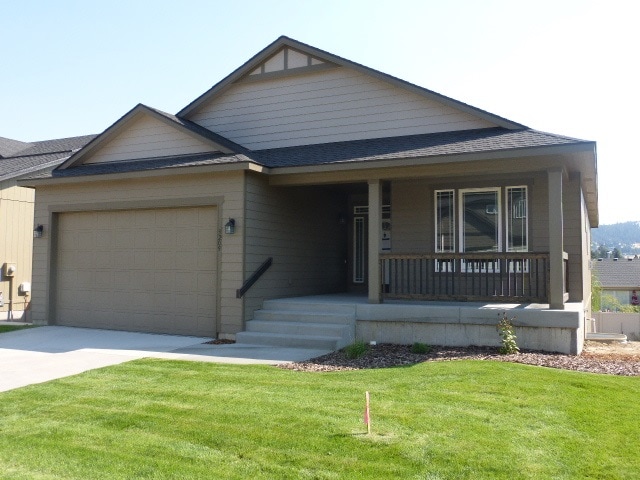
x=11, y=328
x=463, y=419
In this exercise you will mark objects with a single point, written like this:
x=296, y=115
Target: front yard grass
x=11, y=328
x=441, y=420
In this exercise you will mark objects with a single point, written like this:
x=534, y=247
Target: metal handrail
x=254, y=278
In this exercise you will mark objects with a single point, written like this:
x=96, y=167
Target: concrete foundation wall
x=536, y=329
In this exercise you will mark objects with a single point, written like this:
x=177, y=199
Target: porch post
x=375, y=220
x=556, y=241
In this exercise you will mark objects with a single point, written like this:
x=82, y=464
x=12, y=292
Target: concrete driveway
x=41, y=354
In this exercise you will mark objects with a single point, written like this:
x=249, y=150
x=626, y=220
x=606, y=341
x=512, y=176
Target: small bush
x=507, y=333
x=355, y=350
x=420, y=348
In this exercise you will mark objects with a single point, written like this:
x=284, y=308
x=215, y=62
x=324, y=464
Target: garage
x=151, y=270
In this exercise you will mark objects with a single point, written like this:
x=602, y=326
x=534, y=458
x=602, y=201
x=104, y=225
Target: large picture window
x=484, y=222
x=480, y=220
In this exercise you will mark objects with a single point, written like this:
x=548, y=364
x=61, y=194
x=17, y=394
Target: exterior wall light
x=38, y=231
x=230, y=227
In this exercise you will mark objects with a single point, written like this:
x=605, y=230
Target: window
x=445, y=221
x=480, y=219
x=517, y=215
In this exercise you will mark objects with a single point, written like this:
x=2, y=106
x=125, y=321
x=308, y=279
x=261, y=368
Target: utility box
x=9, y=270
x=24, y=288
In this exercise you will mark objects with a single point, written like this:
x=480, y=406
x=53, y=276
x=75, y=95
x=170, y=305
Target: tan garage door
x=140, y=270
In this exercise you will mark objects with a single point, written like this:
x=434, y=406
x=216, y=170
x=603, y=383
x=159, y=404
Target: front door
x=359, y=245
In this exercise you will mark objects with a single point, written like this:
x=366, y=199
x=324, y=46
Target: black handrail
x=254, y=278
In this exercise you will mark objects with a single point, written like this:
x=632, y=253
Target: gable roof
x=216, y=142
x=283, y=41
x=622, y=273
x=36, y=156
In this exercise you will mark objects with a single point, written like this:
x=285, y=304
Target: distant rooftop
x=623, y=273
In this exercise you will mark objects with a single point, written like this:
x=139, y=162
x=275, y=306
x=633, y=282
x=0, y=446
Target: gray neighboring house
x=619, y=278
x=19, y=159
x=308, y=200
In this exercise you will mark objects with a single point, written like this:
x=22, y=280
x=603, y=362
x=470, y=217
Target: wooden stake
x=367, y=413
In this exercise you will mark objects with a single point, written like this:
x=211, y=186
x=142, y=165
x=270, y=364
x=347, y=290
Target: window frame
x=503, y=212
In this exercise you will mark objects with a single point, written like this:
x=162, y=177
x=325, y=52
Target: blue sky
x=568, y=67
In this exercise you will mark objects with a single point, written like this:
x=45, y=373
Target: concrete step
x=306, y=315
x=299, y=328
x=301, y=305
x=288, y=340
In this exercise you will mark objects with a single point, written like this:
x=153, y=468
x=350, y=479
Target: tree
x=596, y=292
x=616, y=253
x=601, y=252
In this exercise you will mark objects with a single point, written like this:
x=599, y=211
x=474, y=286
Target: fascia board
x=164, y=172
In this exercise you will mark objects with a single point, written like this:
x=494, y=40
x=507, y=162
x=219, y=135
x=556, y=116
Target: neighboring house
x=618, y=279
x=352, y=182
x=18, y=159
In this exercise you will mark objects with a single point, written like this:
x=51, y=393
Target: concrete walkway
x=37, y=355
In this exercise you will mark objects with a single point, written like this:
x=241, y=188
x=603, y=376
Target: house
x=619, y=281
x=18, y=159
x=306, y=197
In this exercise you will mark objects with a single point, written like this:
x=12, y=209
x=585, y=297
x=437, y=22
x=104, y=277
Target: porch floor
x=361, y=299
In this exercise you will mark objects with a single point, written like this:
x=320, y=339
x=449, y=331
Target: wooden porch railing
x=496, y=277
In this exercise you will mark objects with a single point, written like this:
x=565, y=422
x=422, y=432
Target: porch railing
x=497, y=277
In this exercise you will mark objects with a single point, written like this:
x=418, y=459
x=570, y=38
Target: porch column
x=556, y=241
x=375, y=221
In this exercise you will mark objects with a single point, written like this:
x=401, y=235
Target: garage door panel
x=141, y=270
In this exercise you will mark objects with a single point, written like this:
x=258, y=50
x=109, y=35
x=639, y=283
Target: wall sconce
x=230, y=227
x=38, y=231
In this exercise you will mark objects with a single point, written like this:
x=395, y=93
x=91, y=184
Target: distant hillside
x=624, y=236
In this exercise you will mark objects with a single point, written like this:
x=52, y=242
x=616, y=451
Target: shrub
x=420, y=348
x=355, y=350
x=507, y=333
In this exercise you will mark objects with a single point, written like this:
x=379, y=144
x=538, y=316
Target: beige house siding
x=16, y=239
x=223, y=190
x=411, y=216
x=147, y=137
x=328, y=106
x=298, y=227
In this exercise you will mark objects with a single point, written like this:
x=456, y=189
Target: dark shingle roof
x=624, y=273
x=9, y=147
x=411, y=146
x=158, y=163
x=57, y=145
x=35, y=156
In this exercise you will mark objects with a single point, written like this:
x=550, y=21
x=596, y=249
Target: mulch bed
x=390, y=355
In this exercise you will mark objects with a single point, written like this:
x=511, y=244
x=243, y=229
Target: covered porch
x=353, y=317
x=488, y=276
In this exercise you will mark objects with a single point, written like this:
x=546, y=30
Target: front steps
x=301, y=324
